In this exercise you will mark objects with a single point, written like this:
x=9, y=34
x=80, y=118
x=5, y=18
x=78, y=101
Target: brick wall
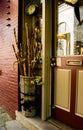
x=8, y=77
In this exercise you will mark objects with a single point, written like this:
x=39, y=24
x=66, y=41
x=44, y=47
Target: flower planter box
x=28, y=96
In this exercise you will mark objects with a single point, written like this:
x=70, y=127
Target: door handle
x=53, y=62
x=74, y=62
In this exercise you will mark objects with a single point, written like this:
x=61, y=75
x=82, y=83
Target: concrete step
x=34, y=123
x=14, y=125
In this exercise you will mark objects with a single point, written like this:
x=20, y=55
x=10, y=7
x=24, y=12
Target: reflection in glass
x=63, y=47
x=70, y=33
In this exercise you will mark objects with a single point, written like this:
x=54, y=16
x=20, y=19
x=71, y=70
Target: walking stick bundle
x=20, y=60
x=29, y=49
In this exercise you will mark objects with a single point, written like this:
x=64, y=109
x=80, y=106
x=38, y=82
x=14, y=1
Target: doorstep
x=34, y=123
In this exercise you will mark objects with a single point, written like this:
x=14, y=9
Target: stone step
x=14, y=125
x=34, y=123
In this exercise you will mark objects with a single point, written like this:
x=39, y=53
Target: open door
x=67, y=63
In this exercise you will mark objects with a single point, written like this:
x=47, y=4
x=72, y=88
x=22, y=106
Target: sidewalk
x=3, y=118
x=23, y=123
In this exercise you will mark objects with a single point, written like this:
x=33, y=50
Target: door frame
x=49, y=31
x=46, y=55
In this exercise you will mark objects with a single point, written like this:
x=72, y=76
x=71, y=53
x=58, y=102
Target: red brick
x=8, y=77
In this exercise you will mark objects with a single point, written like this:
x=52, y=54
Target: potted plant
x=29, y=80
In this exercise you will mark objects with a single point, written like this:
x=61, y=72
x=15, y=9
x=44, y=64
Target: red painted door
x=68, y=91
x=67, y=68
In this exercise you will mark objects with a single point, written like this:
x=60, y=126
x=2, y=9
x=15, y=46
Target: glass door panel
x=70, y=31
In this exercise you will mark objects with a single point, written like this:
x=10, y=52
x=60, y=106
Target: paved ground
x=3, y=118
x=7, y=123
